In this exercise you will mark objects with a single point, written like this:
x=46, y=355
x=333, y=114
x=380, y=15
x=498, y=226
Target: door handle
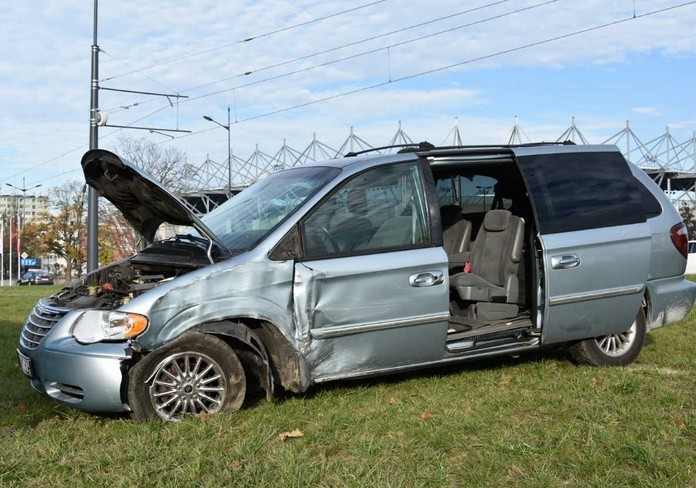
x=427, y=278
x=565, y=262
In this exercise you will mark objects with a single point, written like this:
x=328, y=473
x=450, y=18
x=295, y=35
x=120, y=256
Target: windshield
x=244, y=220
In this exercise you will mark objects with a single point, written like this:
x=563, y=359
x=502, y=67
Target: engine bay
x=118, y=283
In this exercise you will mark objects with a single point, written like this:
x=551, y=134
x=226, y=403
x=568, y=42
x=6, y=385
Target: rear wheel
x=613, y=349
x=196, y=374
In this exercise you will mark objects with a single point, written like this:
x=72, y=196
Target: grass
x=537, y=420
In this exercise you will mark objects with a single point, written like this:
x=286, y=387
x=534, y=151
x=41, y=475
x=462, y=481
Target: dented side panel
x=257, y=289
x=360, y=313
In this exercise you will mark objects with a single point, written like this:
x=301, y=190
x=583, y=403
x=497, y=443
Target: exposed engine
x=120, y=282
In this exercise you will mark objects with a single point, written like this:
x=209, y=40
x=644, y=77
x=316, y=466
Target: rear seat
x=456, y=234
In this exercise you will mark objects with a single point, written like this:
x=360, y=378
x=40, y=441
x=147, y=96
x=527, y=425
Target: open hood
x=144, y=202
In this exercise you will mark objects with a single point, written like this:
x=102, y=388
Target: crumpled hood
x=143, y=201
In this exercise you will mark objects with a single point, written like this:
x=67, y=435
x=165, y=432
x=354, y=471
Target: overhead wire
x=248, y=39
x=372, y=51
x=446, y=67
x=395, y=80
x=319, y=53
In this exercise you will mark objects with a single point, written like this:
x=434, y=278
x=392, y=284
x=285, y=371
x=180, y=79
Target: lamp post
x=24, y=191
x=229, y=147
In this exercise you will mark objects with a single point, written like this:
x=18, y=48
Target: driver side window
x=382, y=208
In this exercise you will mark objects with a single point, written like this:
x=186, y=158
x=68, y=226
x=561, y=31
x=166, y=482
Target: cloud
x=652, y=111
x=44, y=70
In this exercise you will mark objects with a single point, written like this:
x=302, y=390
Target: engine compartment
x=116, y=284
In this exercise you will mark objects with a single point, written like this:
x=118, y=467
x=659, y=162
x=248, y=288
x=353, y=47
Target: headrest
x=449, y=214
x=496, y=220
x=357, y=201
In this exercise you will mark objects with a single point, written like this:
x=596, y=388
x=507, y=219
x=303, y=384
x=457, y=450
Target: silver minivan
x=361, y=266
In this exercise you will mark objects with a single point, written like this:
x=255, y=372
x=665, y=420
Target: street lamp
x=229, y=147
x=24, y=191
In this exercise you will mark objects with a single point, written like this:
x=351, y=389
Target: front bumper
x=670, y=300
x=89, y=377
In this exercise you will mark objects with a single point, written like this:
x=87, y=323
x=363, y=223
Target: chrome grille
x=39, y=323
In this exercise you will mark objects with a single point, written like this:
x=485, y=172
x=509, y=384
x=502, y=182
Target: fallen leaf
x=393, y=401
x=426, y=415
x=238, y=464
x=284, y=436
x=21, y=406
x=513, y=472
x=680, y=423
x=593, y=382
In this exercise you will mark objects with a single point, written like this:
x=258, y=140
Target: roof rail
x=426, y=146
x=412, y=147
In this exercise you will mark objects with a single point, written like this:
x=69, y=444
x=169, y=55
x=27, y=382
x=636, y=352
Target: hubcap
x=615, y=345
x=187, y=383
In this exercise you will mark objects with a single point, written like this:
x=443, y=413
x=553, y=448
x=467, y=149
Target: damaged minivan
x=361, y=266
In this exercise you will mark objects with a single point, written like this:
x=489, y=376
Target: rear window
x=583, y=190
x=650, y=204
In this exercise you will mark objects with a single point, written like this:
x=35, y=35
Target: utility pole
x=92, y=197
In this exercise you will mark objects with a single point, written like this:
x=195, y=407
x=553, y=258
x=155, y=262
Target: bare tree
x=166, y=165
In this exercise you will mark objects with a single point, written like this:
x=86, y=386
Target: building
x=27, y=208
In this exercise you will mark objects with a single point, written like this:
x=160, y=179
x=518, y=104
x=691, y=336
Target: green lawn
x=536, y=420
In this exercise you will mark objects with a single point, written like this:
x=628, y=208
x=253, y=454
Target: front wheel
x=613, y=349
x=195, y=374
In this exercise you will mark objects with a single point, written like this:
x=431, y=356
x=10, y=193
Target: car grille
x=39, y=323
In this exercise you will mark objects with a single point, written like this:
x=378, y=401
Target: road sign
x=28, y=261
x=24, y=255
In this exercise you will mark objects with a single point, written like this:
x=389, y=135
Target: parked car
x=35, y=278
x=361, y=266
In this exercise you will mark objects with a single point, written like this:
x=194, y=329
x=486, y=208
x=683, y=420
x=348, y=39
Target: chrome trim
x=343, y=330
x=26, y=339
x=607, y=293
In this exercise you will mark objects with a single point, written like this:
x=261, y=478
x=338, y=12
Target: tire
x=613, y=349
x=195, y=374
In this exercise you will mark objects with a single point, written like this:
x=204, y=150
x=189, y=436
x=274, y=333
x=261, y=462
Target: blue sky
x=641, y=70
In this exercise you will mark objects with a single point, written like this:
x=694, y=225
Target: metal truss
x=672, y=164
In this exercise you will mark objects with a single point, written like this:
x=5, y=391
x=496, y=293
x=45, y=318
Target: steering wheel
x=327, y=237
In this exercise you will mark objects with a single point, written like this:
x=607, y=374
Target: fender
x=241, y=333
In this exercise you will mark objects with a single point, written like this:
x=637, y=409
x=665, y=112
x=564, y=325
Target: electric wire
x=371, y=51
x=395, y=80
x=443, y=68
x=319, y=53
x=144, y=74
x=242, y=41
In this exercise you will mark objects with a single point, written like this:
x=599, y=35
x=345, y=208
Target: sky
x=326, y=66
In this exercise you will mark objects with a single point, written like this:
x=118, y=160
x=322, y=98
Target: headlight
x=103, y=325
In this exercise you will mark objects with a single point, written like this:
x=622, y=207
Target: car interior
x=487, y=231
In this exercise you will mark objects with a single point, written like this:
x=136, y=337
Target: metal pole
x=9, y=264
x=92, y=199
x=2, y=251
x=19, y=258
x=229, y=154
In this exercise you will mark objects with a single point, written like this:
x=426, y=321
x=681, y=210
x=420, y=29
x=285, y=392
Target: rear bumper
x=670, y=300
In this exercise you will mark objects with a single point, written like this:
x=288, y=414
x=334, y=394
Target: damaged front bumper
x=88, y=377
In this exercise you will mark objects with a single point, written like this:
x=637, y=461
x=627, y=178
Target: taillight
x=680, y=238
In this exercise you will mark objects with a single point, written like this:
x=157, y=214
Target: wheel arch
x=264, y=351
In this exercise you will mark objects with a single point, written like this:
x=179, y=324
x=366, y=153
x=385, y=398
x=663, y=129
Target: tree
x=64, y=234
x=689, y=218
x=166, y=165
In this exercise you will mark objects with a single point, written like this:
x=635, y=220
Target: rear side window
x=583, y=190
x=650, y=203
